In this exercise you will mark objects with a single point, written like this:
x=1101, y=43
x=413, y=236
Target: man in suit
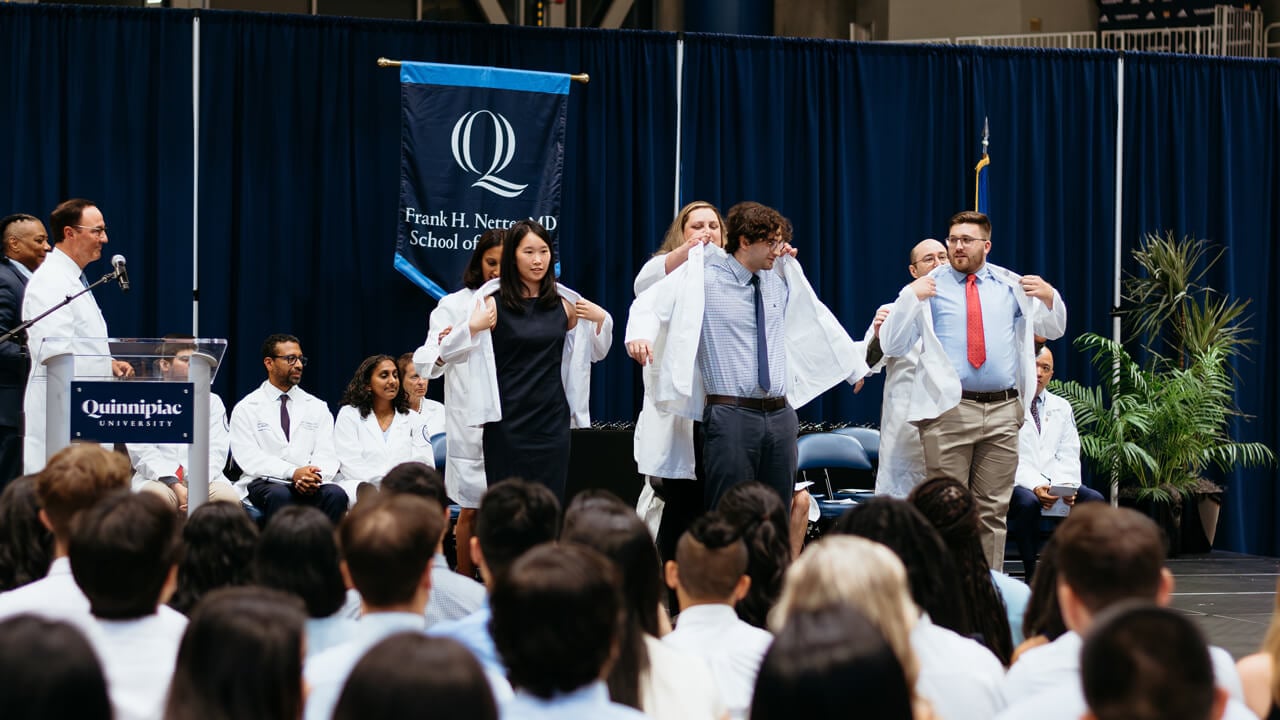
x=282, y=438
x=978, y=323
x=1048, y=457
x=25, y=245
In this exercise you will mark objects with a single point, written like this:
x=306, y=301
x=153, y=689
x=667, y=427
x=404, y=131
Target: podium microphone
x=122, y=275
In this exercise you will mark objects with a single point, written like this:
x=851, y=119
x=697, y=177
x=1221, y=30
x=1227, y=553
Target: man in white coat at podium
x=77, y=232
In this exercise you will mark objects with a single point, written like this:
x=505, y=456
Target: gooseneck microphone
x=122, y=274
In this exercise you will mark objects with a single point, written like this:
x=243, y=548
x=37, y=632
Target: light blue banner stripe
x=407, y=269
x=485, y=77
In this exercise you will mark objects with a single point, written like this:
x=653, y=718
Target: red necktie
x=977, y=339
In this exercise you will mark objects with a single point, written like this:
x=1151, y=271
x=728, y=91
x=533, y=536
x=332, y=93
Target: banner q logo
x=504, y=148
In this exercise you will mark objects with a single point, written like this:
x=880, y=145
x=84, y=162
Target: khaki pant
x=218, y=492
x=976, y=444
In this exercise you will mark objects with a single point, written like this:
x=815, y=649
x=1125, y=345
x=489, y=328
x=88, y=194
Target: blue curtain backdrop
x=300, y=187
x=867, y=148
x=1202, y=158
x=97, y=104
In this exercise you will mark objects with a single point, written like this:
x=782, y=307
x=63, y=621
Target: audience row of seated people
x=113, y=607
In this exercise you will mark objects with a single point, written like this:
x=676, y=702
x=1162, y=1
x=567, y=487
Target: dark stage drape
x=868, y=148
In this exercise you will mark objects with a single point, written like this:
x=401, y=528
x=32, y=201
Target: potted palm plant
x=1157, y=426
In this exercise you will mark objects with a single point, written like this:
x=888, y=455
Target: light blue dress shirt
x=453, y=596
x=1000, y=313
x=472, y=632
x=590, y=702
x=727, y=353
x=327, y=672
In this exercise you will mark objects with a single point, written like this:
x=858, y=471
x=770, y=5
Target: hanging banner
x=481, y=148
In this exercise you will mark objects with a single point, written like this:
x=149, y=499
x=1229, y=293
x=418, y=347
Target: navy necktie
x=284, y=416
x=762, y=342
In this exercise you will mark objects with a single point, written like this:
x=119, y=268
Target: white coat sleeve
x=650, y=273
x=602, y=338
x=901, y=329
x=457, y=346
x=652, y=308
x=1027, y=474
x=1066, y=457
x=152, y=463
x=349, y=448
x=219, y=438
x=323, y=456
x=1051, y=324
x=244, y=445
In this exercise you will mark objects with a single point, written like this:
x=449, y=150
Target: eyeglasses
x=932, y=259
x=292, y=359
x=964, y=240
x=99, y=231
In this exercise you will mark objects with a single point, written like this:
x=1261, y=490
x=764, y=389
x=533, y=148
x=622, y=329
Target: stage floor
x=1230, y=595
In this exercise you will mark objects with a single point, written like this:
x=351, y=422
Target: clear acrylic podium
x=164, y=400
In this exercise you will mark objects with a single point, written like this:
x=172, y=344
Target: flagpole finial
x=986, y=134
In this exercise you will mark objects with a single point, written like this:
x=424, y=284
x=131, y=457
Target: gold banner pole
x=576, y=77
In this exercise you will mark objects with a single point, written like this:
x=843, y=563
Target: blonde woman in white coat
x=669, y=475
x=464, y=454
x=374, y=431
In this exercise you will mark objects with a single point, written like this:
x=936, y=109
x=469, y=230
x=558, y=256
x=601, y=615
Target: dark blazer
x=15, y=363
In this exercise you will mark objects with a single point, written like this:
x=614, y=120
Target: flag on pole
x=481, y=148
x=982, y=187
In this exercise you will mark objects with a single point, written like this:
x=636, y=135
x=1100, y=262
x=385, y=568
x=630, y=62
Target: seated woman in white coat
x=529, y=351
x=374, y=431
x=429, y=412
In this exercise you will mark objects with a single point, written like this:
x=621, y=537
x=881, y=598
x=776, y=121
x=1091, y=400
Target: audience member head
x=1143, y=662
x=557, y=616
x=219, y=540
x=697, y=220
x=759, y=516
x=528, y=266
x=386, y=548
x=486, y=260
x=76, y=478
x=607, y=525
x=857, y=572
x=411, y=675
x=1106, y=555
x=124, y=555
x=1043, y=616
x=750, y=222
x=931, y=572
x=298, y=554
x=26, y=545
x=710, y=565
x=416, y=478
x=950, y=507
x=413, y=382
x=377, y=378
x=173, y=356
x=49, y=670
x=830, y=647
x=514, y=516
x=241, y=657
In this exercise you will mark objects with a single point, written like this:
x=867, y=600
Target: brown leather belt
x=990, y=397
x=758, y=404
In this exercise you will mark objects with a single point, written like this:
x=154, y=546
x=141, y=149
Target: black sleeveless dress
x=532, y=439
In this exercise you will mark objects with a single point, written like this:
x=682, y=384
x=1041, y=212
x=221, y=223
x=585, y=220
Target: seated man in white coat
x=745, y=342
x=978, y=324
x=282, y=438
x=1105, y=556
x=161, y=468
x=1048, y=466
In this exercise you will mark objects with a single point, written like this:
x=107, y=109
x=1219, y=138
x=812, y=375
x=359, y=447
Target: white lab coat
x=820, y=354
x=51, y=283
x=583, y=345
x=258, y=443
x=1053, y=454
x=464, y=477
x=901, y=464
x=937, y=387
x=364, y=455
x=152, y=461
x=655, y=428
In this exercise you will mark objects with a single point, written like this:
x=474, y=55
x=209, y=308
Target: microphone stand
x=21, y=330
